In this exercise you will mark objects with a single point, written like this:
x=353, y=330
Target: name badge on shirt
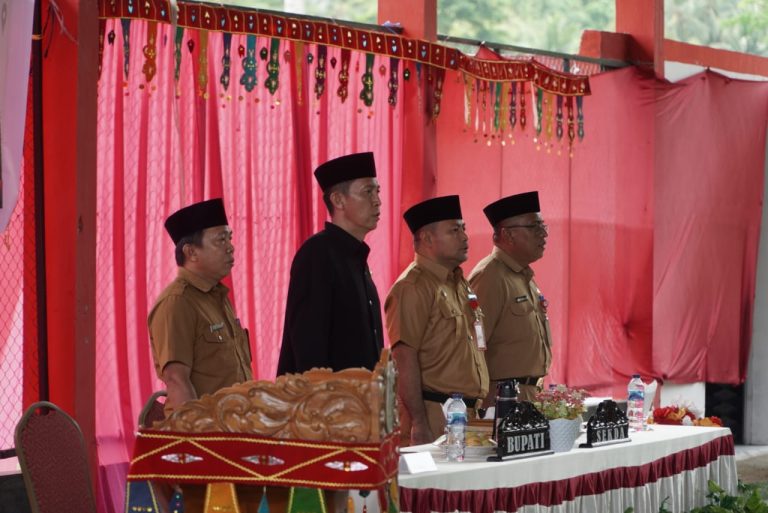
x=216, y=328
x=521, y=299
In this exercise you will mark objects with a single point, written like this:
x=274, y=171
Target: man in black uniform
x=332, y=316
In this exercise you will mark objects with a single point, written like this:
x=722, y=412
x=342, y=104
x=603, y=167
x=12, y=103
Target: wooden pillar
x=69, y=153
x=644, y=21
x=418, y=18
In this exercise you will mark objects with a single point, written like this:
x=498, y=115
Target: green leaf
x=714, y=488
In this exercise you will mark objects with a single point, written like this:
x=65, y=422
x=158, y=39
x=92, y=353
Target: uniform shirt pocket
x=219, y=336
x=522, y=308
x=450, y=316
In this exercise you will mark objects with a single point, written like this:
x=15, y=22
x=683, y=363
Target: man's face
x=529, y=235
x=362, y=205
x=450, y=243
x=216, y=256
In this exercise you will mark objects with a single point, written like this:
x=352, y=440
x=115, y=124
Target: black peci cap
x=197, y=216
x=512, y=206
x=343, y=169
x=431, y=211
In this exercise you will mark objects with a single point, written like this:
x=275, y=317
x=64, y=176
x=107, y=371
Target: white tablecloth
x=673, y=462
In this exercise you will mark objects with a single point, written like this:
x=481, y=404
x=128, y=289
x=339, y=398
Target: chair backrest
x=53, y=460
x=153, y=410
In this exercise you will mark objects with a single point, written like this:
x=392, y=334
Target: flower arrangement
x=561, y=402
x=681, y=416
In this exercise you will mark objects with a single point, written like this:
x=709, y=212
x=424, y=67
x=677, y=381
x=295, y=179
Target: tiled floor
x=744, y=452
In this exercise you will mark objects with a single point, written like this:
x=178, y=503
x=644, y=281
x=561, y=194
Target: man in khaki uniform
x=431, y=323
x=198, y=345
x=516, y=323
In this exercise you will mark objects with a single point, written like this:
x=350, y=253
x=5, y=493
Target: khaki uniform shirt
x=194, y=324
x=428, y=310
x=516, y=323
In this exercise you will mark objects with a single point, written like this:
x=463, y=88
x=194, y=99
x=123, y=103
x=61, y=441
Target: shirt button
x=370, y=302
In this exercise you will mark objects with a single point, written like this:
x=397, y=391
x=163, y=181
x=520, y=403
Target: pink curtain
x=654, y=222
x=164, y=143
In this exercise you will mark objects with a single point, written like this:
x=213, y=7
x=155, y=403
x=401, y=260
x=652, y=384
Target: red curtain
x=654, y=222
x=166, y=142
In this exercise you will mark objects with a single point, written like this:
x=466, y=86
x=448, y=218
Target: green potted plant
x=563, y=407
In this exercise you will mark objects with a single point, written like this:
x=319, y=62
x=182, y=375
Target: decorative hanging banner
x=504, y=105
x=343, y=90
x=493, y=100
x=221, y=497
x=202, y=61
x=260, y=460
x=226, y=61
x=538, y=112
x=393, y=84
x=150, y=52
x=320, y=72
x=248, y=79
x=298, y=65
x=102, y=29
x=303, y=500
x=178, y=39
x=366, y=94
x=513, y=106
x=435, y=94
x=273, y=67
x=264, y=502
x=126, y=46
x=193, y=15
x=140, y=496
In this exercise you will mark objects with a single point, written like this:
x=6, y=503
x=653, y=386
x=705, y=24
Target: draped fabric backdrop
x=164, y=144
x=654, y=222
x=654, y=215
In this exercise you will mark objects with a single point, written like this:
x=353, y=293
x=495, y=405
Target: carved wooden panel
x=353, y=405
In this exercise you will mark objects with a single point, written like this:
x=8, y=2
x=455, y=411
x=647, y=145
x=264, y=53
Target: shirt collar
x=440, y=271
x=347, y=241
x=199, y=283
x=510, y=262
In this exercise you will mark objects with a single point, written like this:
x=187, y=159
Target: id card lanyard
x=479, y=332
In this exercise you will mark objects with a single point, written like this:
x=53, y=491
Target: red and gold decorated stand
x=259, y=460
x=314, y=431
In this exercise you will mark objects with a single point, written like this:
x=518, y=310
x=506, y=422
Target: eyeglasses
x=533, y=227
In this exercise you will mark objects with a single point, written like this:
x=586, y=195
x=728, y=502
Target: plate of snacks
x=478, y=443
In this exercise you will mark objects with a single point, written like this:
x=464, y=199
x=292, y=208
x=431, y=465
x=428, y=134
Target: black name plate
x=609, y=425
x=522, y=433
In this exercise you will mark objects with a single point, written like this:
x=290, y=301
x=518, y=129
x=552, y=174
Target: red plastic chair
x=53, y=461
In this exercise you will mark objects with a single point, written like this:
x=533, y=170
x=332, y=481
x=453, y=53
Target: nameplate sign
x=416, y=462
x=609, y=425
x=522, y=433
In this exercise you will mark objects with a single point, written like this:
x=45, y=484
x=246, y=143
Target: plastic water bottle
x=635, y=400
x=455, y=428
